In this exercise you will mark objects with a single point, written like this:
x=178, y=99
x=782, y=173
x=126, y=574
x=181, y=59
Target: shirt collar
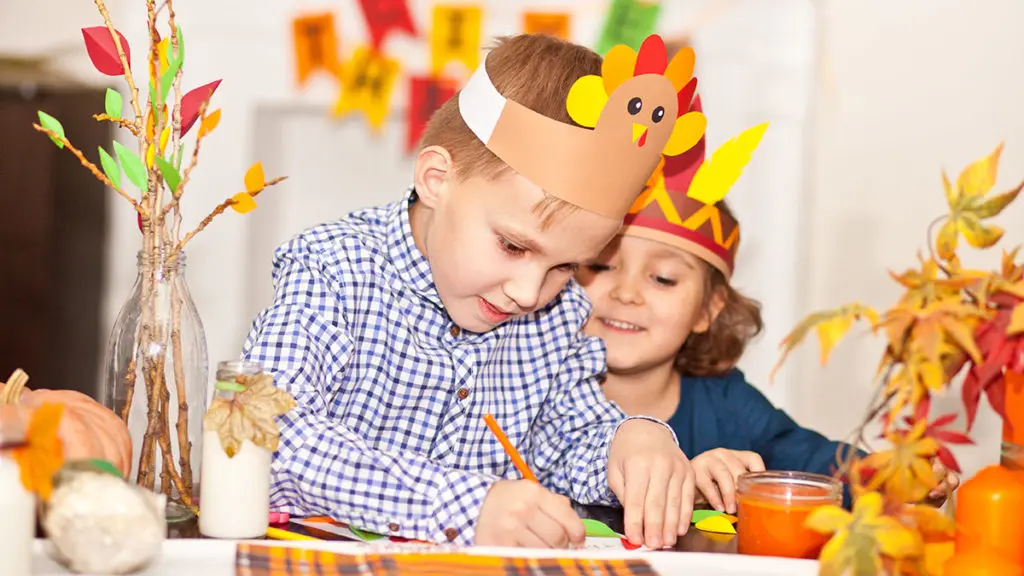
x=412, y=265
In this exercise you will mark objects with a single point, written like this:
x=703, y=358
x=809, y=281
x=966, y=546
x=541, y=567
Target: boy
x=398, y=328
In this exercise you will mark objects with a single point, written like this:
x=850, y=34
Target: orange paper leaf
x=43, y=454
x=254, y=179
x=243, y=203
x=209, y=123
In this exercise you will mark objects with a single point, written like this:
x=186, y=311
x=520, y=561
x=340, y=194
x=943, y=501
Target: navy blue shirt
x=728, y=412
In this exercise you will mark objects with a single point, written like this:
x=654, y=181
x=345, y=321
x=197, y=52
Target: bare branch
x=123, y=122
x=220, y=210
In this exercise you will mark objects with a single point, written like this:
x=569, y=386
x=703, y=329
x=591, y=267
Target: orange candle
x=773, y=507
x=990, y=515
x=1013, y=425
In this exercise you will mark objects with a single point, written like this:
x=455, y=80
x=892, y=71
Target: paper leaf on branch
x=103, y=52
x=249, y=415
x=173, y=64
x=132, y=165
x=830, y=325
x=254, y=178
x=113, y=103
x=51, y=123
x=209, y=123
x=110, y=167
x=43, y=454
x=243, y=203
x=170, y=174
x=192, y=102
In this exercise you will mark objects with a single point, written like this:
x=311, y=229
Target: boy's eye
x=567, y=267
x=595, y=267
x=509, y=247
x=664, y=281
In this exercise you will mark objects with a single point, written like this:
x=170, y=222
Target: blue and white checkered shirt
x=389, y=434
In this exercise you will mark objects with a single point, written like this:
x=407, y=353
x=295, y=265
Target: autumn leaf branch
x=122, y=122
x=128, y=78
x=220, y=210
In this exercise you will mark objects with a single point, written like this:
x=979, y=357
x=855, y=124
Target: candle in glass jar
x=773, y=509
x=17, y=505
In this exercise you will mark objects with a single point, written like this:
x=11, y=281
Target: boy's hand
x=716, y=473
x=654, y=481
x=948, y=482
x=522, y=513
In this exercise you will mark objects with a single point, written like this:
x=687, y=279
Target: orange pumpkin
x=88, y=429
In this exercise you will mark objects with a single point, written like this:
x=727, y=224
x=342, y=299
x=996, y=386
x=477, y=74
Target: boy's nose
x=525, y=291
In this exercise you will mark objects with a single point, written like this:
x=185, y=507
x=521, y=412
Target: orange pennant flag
x=316, y=45
x=547, y=23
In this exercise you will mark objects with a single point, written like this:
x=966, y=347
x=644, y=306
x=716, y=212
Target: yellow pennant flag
x=455, y=37
x=547, y=23
x=367, y=81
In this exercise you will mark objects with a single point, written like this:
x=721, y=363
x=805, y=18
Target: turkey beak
x=638, y=131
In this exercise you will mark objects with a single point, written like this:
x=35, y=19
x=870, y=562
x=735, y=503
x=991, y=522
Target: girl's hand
x=717, y=471
x=948, y=482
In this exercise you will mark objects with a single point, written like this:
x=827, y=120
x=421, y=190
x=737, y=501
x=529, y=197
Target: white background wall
x=868, y=101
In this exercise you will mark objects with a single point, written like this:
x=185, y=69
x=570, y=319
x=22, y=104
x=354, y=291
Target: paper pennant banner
x=550, y=23
x=628, y=22
x=455, y=37
x=366, y=84
x=316, y=45
x=426, y=95
x=385, y=16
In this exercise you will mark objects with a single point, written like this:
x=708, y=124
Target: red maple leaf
x=999, y=353
x=936, y=429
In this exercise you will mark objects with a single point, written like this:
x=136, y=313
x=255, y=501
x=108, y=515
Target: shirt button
x=454, y=331
x=462, y=393
x=451, y=534
x=393, y=527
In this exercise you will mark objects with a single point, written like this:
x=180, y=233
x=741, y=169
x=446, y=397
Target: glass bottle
x=155, y=377
x=235, y=494
x=17, y=505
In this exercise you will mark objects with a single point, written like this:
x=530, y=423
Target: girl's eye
x=567, y=267
x=664, y=281
x=598, y=267
x=509, y=247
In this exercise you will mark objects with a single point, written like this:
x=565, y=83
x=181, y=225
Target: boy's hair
x=535, y=71
x=716, y=351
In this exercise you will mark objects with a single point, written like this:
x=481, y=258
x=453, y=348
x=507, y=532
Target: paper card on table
x=316, y=45
x=367, y=81
x=386, y=16
x=550, y=23
x=455, y=37
x=426, y=95
x=628, y=22
x=699, y=515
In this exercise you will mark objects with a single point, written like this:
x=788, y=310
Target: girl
x=674, y=329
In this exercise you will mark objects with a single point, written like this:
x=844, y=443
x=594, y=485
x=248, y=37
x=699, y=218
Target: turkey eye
x=658, y=114
x=635, y=105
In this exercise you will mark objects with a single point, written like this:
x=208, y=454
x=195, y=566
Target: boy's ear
x=434, y=169
x=710, y=312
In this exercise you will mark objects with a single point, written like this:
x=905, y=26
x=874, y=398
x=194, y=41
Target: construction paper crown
x=679, y=204
x=630, y=115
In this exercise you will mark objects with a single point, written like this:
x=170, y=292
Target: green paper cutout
x=699, y=515
x=367, y=536
x=113, y=104
x=629, y=22
x=598, y=529
x=104, y=466
x=170, y=174
x=180, y=155
x=226, y=386
x=133, y=167
x=51, y=123
x=167, y=80
x=110, y=168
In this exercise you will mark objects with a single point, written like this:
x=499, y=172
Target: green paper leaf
x=51, y=123
x=104, y=466
x=171, y=175
x=133, y=167
x=366, y=536
x=227, y=386
x=598, y=529
x=179, y=156
x=110, y=168
x=114, y=103
x=699, y=515
x=174, y=64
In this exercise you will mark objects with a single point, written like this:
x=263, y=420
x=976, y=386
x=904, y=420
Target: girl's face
x=648, y=298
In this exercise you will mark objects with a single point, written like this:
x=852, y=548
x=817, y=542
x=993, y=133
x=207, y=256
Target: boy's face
x=648, y=298
x=488, y=255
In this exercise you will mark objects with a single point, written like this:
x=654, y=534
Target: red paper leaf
x=191, y=102
x=685, y=97
x=99, y=43
x=948, y=460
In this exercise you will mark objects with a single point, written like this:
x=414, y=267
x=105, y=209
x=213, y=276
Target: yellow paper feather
x=721, y=170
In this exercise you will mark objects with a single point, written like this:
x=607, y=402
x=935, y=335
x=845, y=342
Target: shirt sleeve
x=322, y=467
x=573, y=433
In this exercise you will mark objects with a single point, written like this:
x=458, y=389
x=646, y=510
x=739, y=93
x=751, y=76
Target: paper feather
x=721, y=170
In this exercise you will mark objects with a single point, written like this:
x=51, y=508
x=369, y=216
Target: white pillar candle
x=234, y=495
x=17, y=520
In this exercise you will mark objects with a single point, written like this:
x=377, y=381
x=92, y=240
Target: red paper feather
x=99, y=43
x=685, y=97
x=191, y=102
x=653, y=57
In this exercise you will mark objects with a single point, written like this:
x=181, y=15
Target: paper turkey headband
x=679, y=205
x=629, y=116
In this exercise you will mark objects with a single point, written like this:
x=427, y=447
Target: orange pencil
x=509, y=448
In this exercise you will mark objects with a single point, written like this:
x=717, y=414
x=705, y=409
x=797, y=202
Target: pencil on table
x=509, y=448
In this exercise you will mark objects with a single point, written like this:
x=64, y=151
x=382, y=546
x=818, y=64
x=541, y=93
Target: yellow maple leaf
x=830, y=325
x=43, y=453
x=905, y=470
x=859, y=539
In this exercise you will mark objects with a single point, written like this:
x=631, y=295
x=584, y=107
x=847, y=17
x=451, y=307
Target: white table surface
x=217, y=558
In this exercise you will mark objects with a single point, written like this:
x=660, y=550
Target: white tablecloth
x=217, y=558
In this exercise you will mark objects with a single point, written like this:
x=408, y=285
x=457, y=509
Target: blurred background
x=868, y=102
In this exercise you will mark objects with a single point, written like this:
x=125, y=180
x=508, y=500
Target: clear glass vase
x=155, y=378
